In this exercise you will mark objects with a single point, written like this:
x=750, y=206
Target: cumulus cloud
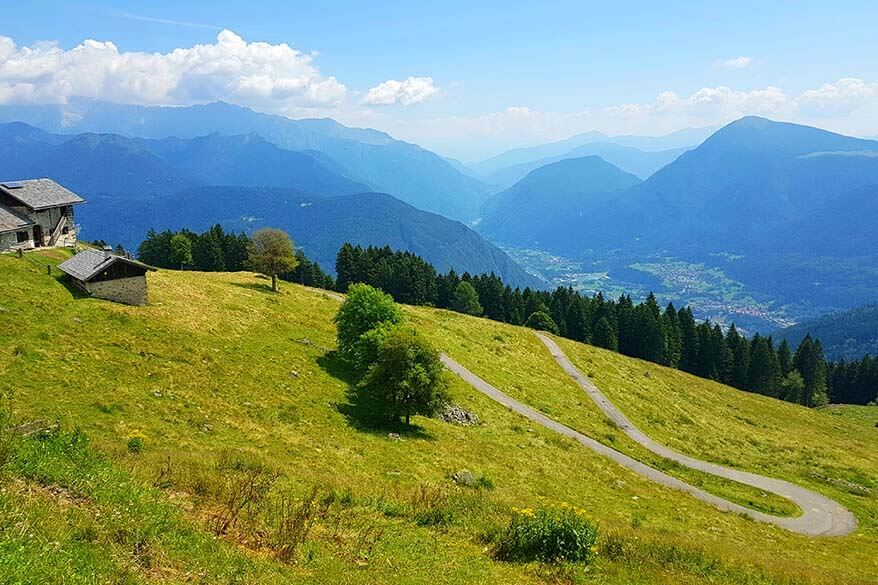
x=413, y=90
x=274, y=77
x=734, y=63
x=840, y=98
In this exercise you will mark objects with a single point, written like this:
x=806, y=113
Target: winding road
x=820, y=516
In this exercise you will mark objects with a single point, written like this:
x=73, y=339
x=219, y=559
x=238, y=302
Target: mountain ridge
x=408, y=171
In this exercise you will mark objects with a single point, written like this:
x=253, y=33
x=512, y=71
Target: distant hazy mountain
x=553, y=206
x=318, y=225
x=631, y=160
x=844, y=226
x=109, y=163
x=86, y=163
x=408, y=171
x=750, y=179
x=681, y=139
x=251, y=160
x=849, y=334
x=789, y=211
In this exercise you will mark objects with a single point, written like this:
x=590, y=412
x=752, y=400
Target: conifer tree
x=605, y=336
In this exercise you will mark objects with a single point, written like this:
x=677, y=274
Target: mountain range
x=411, y=173
x=641, y=163
x=788, y=211
x=677, y=141
x=243, y=182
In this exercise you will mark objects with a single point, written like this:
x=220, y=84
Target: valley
x=707, y=289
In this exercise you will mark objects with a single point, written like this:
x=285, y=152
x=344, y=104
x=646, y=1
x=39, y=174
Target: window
x=65, y=230
x=22, y=237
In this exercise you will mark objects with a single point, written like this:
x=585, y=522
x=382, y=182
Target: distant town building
x=108, y=276
x=36, y=213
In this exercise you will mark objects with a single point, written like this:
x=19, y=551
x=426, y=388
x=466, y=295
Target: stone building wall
x=47, y=220
x=9, y=241
x=130, y=291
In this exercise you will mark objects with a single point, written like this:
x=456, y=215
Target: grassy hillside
x=865, y=415
x=219, y=377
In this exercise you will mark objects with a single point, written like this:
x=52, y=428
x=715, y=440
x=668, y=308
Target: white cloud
x=734, y=63
x=848, y=105
x=413, y=90
x=840, y=98
x=272, y=77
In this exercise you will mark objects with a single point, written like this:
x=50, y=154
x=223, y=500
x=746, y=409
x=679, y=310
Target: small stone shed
x=109, y=276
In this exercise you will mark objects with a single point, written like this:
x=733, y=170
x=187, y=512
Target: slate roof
x=11, y=221
x=40, y=193
x=89, y=263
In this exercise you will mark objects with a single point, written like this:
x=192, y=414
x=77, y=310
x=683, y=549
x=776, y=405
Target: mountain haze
x=405, y=170
x=553, y=203
x=113, y=164
x=750, y=178
x=319, y=225
x=631, y=160
x=682, y=139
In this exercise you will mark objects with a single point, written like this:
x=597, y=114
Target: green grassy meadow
x=218, y=376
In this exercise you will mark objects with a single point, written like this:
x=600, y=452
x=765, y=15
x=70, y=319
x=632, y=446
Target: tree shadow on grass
x=257, y=286
x=360, y=410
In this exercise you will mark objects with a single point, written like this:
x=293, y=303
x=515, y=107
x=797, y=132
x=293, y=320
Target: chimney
x=108, y=251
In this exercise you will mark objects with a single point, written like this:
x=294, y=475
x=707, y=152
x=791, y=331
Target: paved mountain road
x=821, y=516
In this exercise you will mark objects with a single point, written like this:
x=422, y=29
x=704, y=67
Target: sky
x=467, y=79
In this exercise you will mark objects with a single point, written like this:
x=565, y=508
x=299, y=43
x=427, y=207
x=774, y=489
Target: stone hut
x=109, y=276
x=36, y=213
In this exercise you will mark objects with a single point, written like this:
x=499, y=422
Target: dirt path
x=821, y=516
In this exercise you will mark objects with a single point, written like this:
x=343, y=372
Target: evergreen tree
x=689, y=350
x=207, y=253
x=764, y=376
x=605, y=336
x=577, y=325
x=810, y=363
x=156, y=250
x=785, y=357
x=673, y=337
x=647, y=340
x=740, y=347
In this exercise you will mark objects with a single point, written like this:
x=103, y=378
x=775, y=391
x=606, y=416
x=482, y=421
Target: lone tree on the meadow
x=271, y=252
x=407, y=378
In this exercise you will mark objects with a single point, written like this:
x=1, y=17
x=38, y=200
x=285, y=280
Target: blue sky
x=469, y=78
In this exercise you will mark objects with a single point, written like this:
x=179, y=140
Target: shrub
x=368, y=346
x=136, y=444
x=364, y=309
x=466, y=300
x=542, y=321
x=548, y=534
x=407, y=377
